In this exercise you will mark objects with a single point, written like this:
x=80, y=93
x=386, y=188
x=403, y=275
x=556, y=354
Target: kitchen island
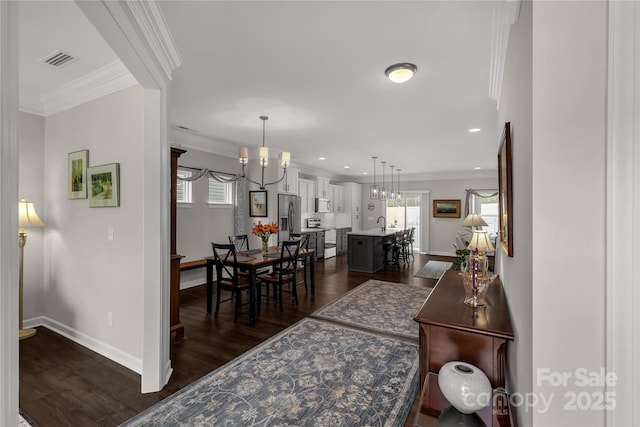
x=365, y=251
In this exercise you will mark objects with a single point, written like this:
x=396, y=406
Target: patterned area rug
x=434, y=269
x=314, y=373
x=380, y=306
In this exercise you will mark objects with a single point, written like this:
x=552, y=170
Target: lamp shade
x=474, y=220
x=264, y=156
x=481, y=242
x=286, y=159
x=27, y=216
x=243, y=155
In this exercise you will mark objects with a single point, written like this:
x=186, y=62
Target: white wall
x=31, y=155
x=199, y=225
x=569, y=129
x=86, y=275
x=442, y=230
x=554, y=96
x=516, y=108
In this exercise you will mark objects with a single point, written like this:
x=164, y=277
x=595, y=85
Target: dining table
x=252, y=261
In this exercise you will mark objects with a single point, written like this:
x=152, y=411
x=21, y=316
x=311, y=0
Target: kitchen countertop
x=376, y=232
x=312, y=230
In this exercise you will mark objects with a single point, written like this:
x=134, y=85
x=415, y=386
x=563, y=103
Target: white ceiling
x=317, y=70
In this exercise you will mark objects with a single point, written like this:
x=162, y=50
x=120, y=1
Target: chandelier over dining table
x=243, y=158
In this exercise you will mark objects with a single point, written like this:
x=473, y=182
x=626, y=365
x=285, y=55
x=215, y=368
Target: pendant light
x=392, y=194
x=383, y=190
x=374, y=190
x=398, y=193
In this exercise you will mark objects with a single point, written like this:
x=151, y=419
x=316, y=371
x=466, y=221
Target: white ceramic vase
x=465, y=386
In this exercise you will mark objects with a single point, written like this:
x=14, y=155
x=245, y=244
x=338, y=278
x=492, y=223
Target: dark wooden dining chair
x=241, y=241
x=284, y=272
x=228, y=277
x=302, y=262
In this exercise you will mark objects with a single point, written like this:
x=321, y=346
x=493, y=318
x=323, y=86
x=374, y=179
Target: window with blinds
x=220, y=193
x=488, y=209
x=183, y=188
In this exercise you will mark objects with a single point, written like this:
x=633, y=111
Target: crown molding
x=104, y=81
x=29, y=108
x=153, y=27
x=182, y=139
x=505, y=14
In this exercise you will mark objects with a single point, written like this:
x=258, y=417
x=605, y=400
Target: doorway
x=412, y=211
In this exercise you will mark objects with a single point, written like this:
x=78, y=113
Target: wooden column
x=174, y=300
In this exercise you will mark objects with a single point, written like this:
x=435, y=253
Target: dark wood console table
x=451, y=330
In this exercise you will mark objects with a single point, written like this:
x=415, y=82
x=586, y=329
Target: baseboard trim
x=102, y=348
x=441, y=253
x=192, y=283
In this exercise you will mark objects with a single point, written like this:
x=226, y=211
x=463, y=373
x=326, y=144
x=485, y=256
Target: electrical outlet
x=109, y=318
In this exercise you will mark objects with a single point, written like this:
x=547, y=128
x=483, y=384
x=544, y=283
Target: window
x=220, y=193
x=487, y=207
x=183, y=188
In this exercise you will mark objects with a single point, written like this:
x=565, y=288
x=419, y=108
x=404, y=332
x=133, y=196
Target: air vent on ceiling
x=58, y=59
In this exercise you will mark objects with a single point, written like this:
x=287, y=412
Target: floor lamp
x=27, y=217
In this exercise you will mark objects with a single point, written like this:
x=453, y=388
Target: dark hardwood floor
x=65, y=384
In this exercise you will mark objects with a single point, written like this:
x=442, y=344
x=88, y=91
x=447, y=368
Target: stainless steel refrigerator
x=289, y=216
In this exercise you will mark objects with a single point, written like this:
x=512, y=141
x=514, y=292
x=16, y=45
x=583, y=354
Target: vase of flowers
x=264, y=231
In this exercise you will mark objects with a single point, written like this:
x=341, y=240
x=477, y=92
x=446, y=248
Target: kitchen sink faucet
x=384, y=222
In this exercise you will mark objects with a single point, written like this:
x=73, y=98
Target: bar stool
x=392, y=250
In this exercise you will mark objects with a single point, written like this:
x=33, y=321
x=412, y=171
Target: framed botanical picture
x=505, y=191
x=446, y=208
x=258, y=203
x=77, y=174
x=104, y=182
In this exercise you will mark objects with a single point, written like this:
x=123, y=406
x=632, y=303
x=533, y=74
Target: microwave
x=323, y=205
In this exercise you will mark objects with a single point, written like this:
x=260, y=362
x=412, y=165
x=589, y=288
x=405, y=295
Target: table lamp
x=27, y=217
x=480, y=244
x=474, y=220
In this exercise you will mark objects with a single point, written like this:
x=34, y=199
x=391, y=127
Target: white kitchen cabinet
x=289, y=185
x=307, y=193
x=352, y=202
x=337, y=198
x=323, y=189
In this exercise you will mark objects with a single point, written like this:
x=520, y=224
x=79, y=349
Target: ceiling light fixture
x=383, y=189
x=374, y=190
x=401, y=72
x=392, y=195
x=473, y=130
x=398, y=193
x=243, y=157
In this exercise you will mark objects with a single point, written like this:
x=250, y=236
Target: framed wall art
x=104, y=181
x=505, y=191
x=446, y=208
x=77, y=174
x=258, y=203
